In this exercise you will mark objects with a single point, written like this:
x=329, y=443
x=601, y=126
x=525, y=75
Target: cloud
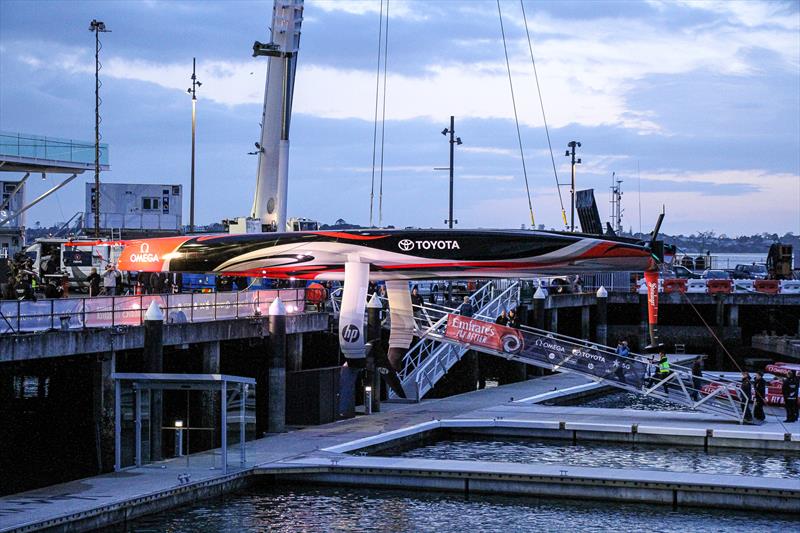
x=587, y=68
x=402, y=9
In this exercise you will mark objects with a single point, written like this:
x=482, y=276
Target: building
x=12, y=231
x=131, y=209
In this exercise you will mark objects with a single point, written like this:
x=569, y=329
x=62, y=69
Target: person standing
x=502, y=319
x=760, y=387
x=663, y=369
x=789, y=390
x=697, y=382
x=513, y=319
x=623, y=349
x=466, y=308
x=747, y=396
x=109, y=281
x=93, y=279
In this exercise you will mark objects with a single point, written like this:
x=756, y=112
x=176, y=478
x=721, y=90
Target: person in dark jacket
x=789, y=390
x=747, y=395
x=760, y=387
x=466, y=307
x=697, y=382
x=502, y=319
x=513, y=319
x=416, y=299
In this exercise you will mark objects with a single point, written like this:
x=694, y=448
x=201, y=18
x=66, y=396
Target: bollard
x=276, y=412
x=373, y=378
x=154, y=363
x=601, y=329
x=368, y=400
x=539, y=298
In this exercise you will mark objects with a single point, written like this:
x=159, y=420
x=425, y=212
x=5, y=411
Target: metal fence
x=99, y=312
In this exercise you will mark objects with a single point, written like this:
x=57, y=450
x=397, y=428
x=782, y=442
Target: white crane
x=269, y=202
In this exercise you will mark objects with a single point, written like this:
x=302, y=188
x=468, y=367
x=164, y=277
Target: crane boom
x=269, y=202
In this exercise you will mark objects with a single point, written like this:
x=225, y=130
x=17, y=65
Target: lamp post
x=453, y=141
x=97, y=27
x=193, y=91
x=573, y=145
x=178, y=438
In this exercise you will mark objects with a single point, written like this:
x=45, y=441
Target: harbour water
x=594, y=454
x=302, y=508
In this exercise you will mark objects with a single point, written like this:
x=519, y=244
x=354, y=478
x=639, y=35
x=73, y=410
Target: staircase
x=433, y=356
x=436, y=352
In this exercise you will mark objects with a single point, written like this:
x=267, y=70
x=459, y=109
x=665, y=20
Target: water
x=630, y=400
x=643, y=457
x=298, y=508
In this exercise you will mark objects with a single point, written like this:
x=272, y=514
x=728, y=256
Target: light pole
x=97, y=27
x=453, y=141
x=573, y=145
x=193, y=91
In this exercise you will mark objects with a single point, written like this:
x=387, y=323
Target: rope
x=383, y=115
x=544, y=118
x=375, y=123
x=516, y=118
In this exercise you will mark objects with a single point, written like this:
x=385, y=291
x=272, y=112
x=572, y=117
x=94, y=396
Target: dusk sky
x=702, y=97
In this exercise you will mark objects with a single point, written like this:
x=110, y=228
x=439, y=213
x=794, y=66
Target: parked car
x=754, y=271
x=715, y=274
x=683, y=272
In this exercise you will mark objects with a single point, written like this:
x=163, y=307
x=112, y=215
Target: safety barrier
x=790, y=286
x=99, y=312
x=743, y=285
x=696, y=286
x=719, y=286
x=767, y=286
x=674, y=285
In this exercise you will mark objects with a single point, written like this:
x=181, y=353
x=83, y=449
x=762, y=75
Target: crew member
x=789, y=389
x=663, y=369
x=109, y=281
x=747, y=396
x=760, y=387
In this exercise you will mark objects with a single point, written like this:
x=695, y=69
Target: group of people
x=23, y=282
x=754, y=393
x=508, y=318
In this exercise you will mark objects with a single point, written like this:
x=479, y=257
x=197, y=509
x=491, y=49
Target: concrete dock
x=310, y=455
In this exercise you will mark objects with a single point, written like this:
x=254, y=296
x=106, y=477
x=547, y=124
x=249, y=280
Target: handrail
x=112, y=311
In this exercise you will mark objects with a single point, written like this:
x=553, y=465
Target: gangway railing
x=96, y=312
x=430, y=358
x=634, y=373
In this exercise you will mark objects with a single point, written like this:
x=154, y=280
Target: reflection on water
x=630, y=400
x=291, y=509
x=672, y=459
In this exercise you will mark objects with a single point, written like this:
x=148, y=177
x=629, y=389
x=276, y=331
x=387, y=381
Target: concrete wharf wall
x=57, y=343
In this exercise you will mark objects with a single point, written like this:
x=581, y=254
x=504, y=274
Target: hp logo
x=406, y=245
x=350, y=333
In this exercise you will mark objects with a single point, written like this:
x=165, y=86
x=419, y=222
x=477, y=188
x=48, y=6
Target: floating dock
x=323, y=454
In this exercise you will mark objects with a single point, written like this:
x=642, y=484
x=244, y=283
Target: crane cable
x=544, y=118
x=516, y=118
x=383, y=116
x=375, y=123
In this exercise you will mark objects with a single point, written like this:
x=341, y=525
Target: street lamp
x=573, y=145
x=193, y=91
x=97, y=27
x=178, y=438
x=453, y=142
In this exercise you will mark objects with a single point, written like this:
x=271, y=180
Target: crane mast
x=269, y=202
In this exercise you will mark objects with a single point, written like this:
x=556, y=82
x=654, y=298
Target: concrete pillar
x=103, y=399
x=719, y=303
x=553, y=320
x=276, y=411
x=585, y=322
x=373, y=378
x=154, y=362
x=209, y=403
x=539, y=298
x=294, y=352
x=733, y=315
x=601, y=317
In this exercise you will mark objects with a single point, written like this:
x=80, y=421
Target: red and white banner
x=651, y=279
x=485, y=334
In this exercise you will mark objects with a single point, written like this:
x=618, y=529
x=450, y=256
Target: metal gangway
x=432, y=356
x=435, y=353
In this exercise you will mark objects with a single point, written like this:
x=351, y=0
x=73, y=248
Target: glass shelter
x=213, y=412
